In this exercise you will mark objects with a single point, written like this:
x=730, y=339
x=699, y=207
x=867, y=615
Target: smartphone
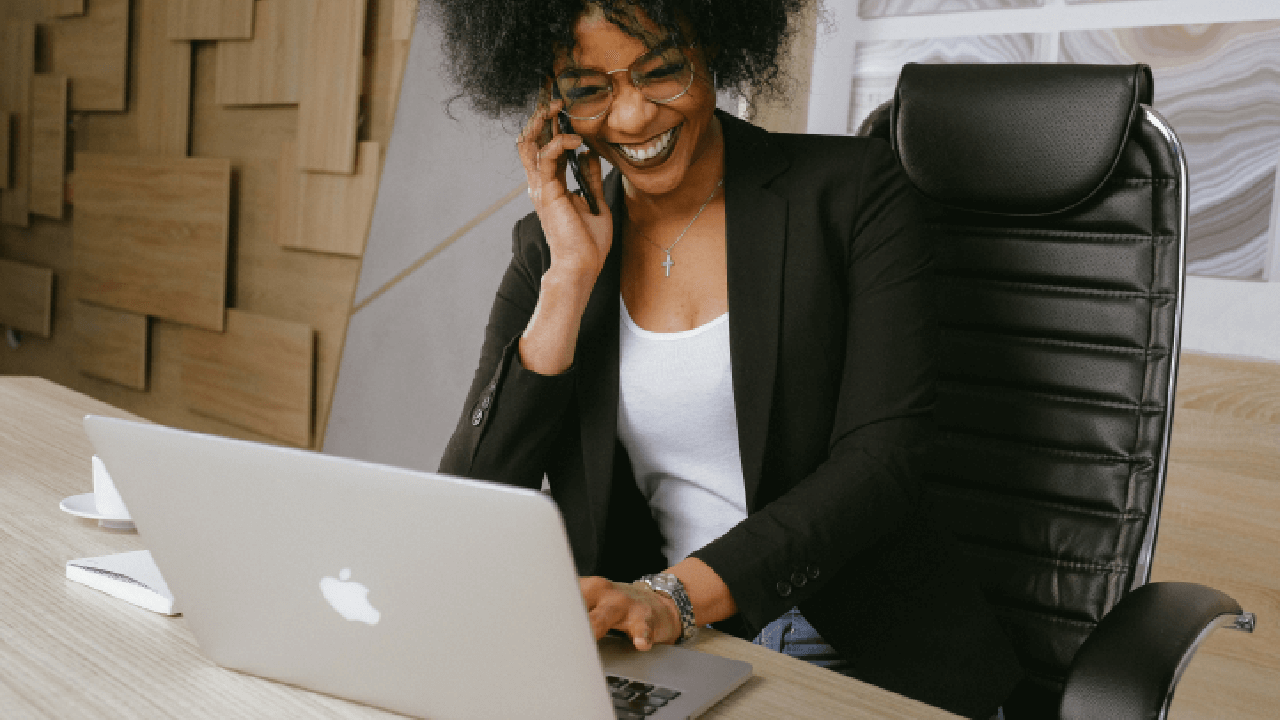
x=562, y=119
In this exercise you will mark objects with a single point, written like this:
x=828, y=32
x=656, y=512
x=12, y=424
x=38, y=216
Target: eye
x=664, y=71
x=577, y=86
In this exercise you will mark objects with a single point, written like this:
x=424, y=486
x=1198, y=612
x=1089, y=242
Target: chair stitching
x=987, y=233
x=1043, y=450
x=1053, y=342
x=1000, y=499
x=1143, y=408
x=1055, y=289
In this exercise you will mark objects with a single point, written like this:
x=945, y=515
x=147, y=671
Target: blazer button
x=485, y=402
x=798, y=579
x=784, y=588
x=477, y=417
x=812, y=570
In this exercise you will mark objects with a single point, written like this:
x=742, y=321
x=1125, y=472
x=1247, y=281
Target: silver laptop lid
x=264, y=546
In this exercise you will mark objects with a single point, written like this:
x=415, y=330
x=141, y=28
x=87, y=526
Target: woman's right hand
x=579, y=241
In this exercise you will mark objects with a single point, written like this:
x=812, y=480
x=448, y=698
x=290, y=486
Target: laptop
x=419, y=593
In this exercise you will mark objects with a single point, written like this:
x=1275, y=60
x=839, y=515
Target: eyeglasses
x=661, y=75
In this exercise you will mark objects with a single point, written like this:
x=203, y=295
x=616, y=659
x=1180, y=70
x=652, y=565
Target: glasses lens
x=586, y=93
x=663, y=74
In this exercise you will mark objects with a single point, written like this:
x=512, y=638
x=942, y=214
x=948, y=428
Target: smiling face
x=660, y=148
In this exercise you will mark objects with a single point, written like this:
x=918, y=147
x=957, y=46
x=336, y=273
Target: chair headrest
x=1016, y=139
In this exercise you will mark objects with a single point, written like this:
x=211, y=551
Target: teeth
x=653, y=150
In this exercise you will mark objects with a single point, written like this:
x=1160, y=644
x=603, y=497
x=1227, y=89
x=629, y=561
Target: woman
x=726, y=374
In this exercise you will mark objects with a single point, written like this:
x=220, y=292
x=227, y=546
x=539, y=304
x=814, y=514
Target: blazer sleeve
x=869, y=484
x=511, y=413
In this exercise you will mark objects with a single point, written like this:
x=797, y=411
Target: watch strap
x=670, y=585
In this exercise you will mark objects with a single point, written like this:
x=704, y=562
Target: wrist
x=670, y=588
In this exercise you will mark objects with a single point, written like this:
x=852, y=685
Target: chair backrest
x=1059, y=202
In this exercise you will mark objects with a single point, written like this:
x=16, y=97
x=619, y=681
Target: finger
x=609, y=612
x=593, y=588
x=551, y=156
x=639, y=625
x=590, y=162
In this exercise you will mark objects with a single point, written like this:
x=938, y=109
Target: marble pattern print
x=1219, y=87
x=894, y=8
x=876, y=64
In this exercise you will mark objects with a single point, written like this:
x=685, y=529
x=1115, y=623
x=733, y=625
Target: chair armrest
x=1128, y=667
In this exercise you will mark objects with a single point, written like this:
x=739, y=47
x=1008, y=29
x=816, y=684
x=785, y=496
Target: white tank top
x=676, y=419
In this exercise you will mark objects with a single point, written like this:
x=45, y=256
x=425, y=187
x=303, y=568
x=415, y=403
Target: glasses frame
x=693, y=71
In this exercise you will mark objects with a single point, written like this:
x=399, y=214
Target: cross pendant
x=667, y=263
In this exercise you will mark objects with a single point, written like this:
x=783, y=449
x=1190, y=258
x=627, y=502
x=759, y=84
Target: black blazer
x=832, y=349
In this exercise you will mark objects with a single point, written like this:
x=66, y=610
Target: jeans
x=792, y=635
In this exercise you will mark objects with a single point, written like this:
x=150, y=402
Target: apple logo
x=349, y=598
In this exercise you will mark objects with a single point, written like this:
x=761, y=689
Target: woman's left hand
x=647, y=617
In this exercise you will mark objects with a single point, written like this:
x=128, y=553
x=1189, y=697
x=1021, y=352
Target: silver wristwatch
x=670, y=585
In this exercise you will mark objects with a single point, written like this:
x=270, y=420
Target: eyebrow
x=667, y=44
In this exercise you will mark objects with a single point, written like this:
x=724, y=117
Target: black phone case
x=566, y=127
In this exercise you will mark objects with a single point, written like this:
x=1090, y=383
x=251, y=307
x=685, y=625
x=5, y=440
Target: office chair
x=1058, y=199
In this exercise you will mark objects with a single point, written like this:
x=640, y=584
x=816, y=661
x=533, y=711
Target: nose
x=631, y=111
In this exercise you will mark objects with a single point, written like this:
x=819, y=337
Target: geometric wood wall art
x=258, y=374
x=210, y=19
x=150, y=235
x=111, y=345
x=6, y=136
x=26, y=297
x=93, y=51
x=48, y=144
x=264, y=70
x=329, y=106
x=163, y=82
x=403, y=14
x=327, y=213
x=17, y=67
x=68, y=8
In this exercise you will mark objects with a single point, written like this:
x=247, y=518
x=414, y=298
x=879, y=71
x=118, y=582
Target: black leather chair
x=1059, y=202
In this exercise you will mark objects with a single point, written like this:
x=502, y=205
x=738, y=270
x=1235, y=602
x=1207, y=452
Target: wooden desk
x=67, y=651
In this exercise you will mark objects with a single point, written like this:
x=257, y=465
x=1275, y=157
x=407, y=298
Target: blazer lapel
x=755, y=226
x=597, y=362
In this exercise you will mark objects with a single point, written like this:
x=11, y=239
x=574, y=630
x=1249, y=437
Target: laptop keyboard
x=633, y=700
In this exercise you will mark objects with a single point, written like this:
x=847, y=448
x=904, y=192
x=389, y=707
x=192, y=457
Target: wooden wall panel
x=67, y=8
x=163, y=87
x=265, y=70
x=26, y=297
x=210, y=19
x=93, y=52
x=288, y=196
x=111, y=345
x=328, y=110
x=258, y=374
x=151, y=235
x=48, y=145
x=6, y=138
x=18, y=56
x=332, y=212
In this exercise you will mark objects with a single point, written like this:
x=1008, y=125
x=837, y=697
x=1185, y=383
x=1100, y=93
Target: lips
x=651, y=152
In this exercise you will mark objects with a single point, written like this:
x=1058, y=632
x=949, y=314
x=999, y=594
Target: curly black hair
x=500, y=51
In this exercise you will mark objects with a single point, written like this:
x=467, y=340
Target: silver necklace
x=668, y=263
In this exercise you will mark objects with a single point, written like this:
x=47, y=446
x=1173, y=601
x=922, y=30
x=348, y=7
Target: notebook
x=416, y=592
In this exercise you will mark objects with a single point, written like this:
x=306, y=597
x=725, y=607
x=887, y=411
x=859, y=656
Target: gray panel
x=440, y=172
x=890, y=8
x=411, y=354
x=1219, y=87
x=876, y=64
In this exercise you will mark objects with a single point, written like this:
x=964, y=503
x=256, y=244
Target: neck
x=699, y=181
